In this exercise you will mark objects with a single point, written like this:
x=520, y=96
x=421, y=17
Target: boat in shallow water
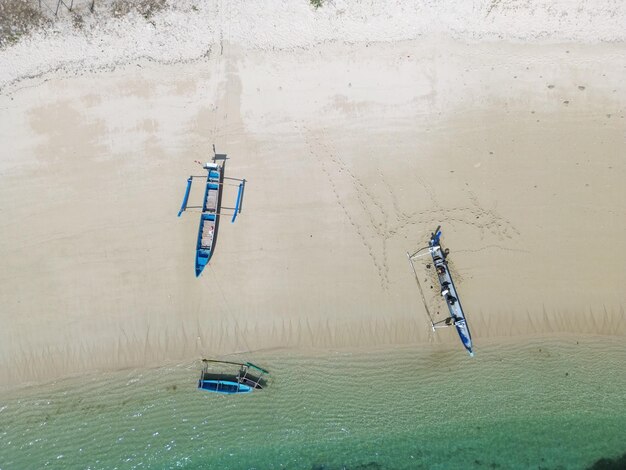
x=249, y=377
x=447, y=289
x=210, y=217
x=224, y=386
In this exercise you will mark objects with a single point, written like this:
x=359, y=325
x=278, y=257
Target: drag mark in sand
x=327, y=158
x=379, y=218
x=487, y=221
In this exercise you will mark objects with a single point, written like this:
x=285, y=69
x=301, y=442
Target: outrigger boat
x=448, y=291
x=211, y=208
x=249, y=378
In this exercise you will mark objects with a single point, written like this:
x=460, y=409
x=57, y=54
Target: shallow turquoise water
x=537, y=404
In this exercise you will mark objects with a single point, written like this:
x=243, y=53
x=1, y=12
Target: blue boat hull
x=210, y=218
x=223, y=386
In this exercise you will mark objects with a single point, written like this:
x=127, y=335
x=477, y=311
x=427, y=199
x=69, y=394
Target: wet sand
x=353, y=153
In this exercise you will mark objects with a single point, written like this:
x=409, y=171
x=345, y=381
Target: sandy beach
x=359, y=129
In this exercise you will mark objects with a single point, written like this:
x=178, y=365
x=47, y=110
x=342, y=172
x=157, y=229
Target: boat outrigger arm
x=448, y=290
x=238, y=203
x=250, y=377
x=244, y=372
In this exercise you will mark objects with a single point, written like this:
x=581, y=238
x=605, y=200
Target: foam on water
x=541, y=404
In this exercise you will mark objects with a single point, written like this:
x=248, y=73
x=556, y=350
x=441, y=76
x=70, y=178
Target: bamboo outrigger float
x=448, y=291
x=211, y=208
x=250, y=377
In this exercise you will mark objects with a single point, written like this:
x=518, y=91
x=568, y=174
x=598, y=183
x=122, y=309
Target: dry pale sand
x=354, y=151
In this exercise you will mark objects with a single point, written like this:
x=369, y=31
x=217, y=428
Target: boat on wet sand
x=448, y=291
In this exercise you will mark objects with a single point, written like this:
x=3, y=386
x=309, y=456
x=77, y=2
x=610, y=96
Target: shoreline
x=401, y=404
x=545, y=344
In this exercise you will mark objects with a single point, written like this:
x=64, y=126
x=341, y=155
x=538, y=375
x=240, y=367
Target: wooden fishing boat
x=447, y=289
x=210, y=217
x=248, y=378
x=211, y=208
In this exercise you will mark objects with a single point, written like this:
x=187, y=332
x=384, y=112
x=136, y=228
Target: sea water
x=543, y=404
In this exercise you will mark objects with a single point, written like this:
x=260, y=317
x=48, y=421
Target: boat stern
x=464, y=334
x=202, y=259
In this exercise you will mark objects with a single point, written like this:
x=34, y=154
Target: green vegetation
x=17, y=18
x=146, y=8
x=317, y=3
